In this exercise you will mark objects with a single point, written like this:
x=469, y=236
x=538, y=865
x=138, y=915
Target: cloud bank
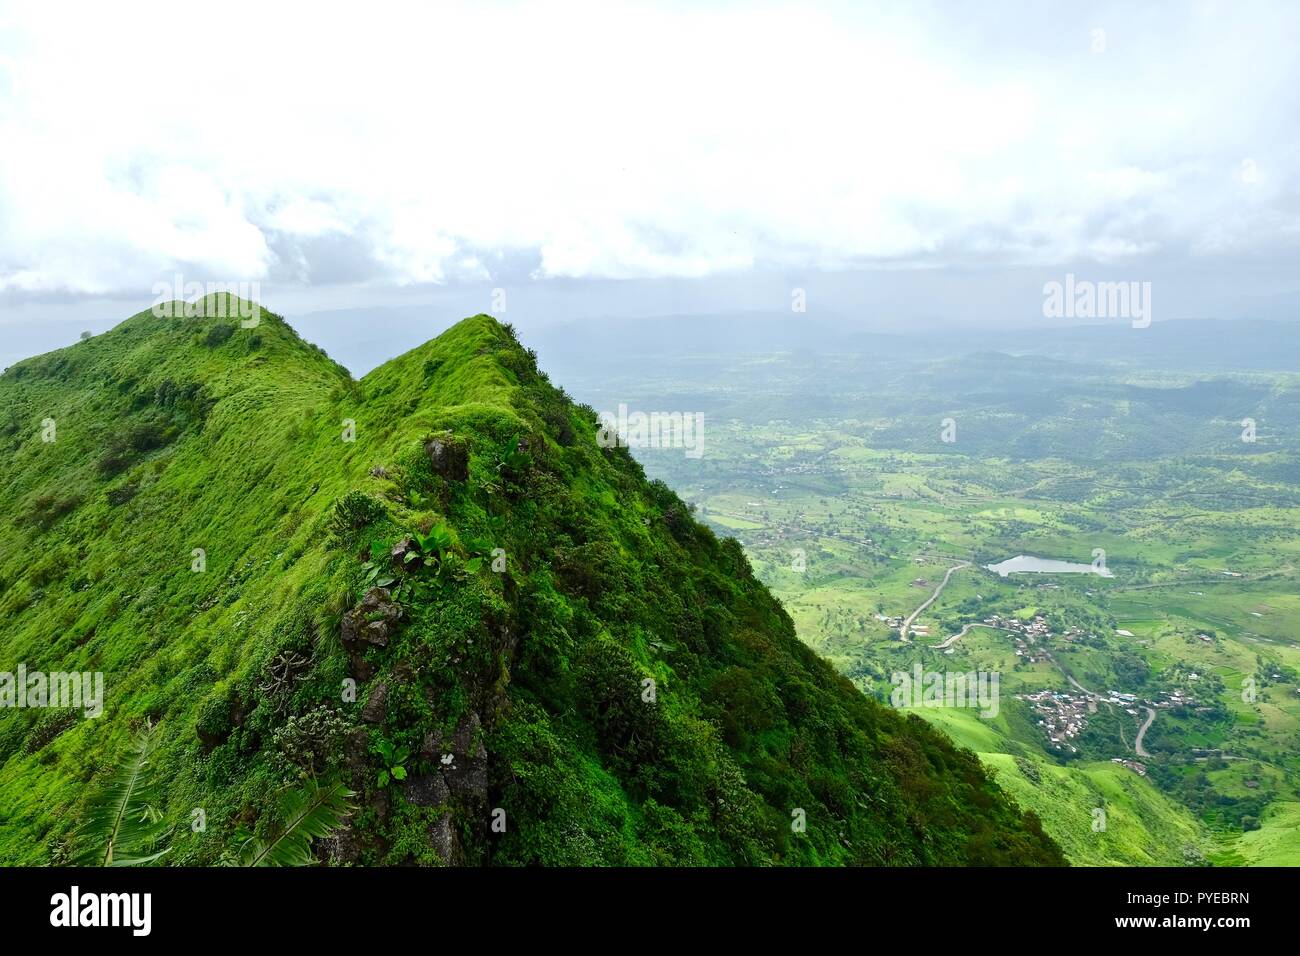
x=394, y=144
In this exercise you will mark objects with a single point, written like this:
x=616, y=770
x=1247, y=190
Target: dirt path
x=1070, y=678
x=902, y=631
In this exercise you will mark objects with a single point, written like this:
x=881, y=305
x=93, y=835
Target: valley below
x=1129, y=574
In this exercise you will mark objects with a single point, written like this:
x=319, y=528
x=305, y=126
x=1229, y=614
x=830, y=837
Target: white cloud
x=622, y=140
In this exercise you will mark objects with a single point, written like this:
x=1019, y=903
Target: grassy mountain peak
x=430, y=588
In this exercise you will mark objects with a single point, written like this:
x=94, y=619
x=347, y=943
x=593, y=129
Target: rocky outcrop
x=462, y=761
x=356, y=750
x=342, y=847
x=376, y=704
x=400, y=550
x=427, y=791
x=443, y=839
x=373, y=620
x=449, y=457
x=372, y=623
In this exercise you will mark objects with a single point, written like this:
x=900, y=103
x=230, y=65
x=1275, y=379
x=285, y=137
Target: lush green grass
x=1143, y=827
x=183, y=434
x=1275, y=843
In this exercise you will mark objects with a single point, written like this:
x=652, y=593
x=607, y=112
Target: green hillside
x=1140, y=826
x=1275, y=843
x=554, y=663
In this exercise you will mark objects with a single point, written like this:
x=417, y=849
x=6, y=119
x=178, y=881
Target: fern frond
x=121, y=827
x=309, y=812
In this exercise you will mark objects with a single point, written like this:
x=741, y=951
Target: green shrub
x=629, y=729
x=311, y=743
x=114, y=460
x=218, y=334
x=353, y=512
x=148, y=436
x=49, y=508
x=214, y=723
x=121, y=494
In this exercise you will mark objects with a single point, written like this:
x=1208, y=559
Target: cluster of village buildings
x=1137, y=767
x=1063, y=715
x=1026, y=633
x=895, y=622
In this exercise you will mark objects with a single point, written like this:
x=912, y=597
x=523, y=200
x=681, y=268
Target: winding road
x=1137, y=743
x=902, y=631
x=1151, y=714
x=1140, y=750
x=949, y=641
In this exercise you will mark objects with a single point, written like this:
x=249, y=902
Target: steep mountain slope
x=1141, y=827
x=561, y=667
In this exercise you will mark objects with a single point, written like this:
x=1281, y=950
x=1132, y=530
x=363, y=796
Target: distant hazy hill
x=563, y=668
x=1074, y=393
x=1207, y=345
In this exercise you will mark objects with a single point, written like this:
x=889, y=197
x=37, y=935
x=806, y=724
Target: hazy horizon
x=902, y=166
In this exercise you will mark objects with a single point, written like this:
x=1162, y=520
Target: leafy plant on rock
x=394, y=759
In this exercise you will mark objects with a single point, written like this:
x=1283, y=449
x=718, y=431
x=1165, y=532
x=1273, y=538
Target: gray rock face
x=370, y=624
x=373, y=621
x=426, y=791
x=342, y=847
x=462, y=760
x=431, y=746
x=401, y=550
x=443, y=839
x=356, y=750
x=468, y=774
x=376, y=704
x=449, y=457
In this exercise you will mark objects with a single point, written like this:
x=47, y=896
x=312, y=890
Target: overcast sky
x=588, y=157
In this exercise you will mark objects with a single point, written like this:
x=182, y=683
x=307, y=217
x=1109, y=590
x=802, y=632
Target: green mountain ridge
x=562, y=666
